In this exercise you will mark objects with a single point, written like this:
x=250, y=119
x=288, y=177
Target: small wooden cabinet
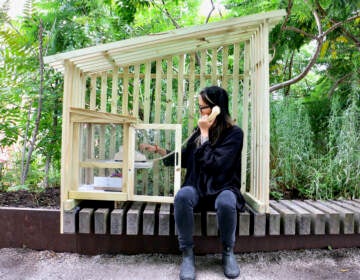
x=107, y=164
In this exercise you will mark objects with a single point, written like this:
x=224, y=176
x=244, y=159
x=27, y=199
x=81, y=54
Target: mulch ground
x=49, y=198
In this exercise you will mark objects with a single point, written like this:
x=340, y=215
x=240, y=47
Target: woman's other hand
x=148, y=147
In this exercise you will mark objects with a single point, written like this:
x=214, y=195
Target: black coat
x=214, y=168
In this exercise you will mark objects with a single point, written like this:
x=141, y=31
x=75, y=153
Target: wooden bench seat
x=286, y=217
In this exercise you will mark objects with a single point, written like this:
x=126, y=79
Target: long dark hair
x=217, y=96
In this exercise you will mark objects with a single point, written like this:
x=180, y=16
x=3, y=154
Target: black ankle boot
x=231, y=268
x=187, y=268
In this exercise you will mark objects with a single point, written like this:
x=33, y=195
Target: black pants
x=187, y=198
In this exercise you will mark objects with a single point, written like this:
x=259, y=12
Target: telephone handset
x=214, y=112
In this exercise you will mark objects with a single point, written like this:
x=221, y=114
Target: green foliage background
x=315, y=123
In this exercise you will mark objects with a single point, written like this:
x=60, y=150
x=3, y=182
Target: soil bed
x=49, y=198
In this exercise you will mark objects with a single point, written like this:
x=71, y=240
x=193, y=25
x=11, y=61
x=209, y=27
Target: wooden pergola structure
x=144, y=89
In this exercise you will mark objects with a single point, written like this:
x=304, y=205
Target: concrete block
x=85, y=220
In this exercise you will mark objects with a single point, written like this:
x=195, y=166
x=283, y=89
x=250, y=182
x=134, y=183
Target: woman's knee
x=226, y=200
x=186, y=194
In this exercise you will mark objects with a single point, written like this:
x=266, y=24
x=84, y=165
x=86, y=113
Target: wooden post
x=114, y=102
x=147, y=92
x=66, y=159
x=245, y=119
x=103, y=103
x=235, y=93
x=76, y=101
x=266, y=119
x=180, y=88
x=136, y=91
x=202, y=69
x=168, y=116
x=125, y=93
x=156, y=169
x=225, y=65
x=191, y=96
x=214, y=67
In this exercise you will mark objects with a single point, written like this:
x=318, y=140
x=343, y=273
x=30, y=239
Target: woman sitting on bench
x=212, y=158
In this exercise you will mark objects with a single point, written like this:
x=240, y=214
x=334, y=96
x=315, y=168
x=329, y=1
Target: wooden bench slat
x=101, y=220
x=353, y=203
x=332, y=225
x=70, y=220
x=288, y=218
x=164, y=219
x=257, y=223
x=211, y=224
x=273, y=222
x=346, y=217
x=303, y=218
x=133, y=217
x=197, y=224
x=355, y=210
x=244, y=223
x=149, y=218
x=117, y=219
x=318, y=218
x=85, y=220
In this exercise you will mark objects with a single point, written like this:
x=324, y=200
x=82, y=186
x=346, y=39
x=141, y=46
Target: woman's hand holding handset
x=206, y=121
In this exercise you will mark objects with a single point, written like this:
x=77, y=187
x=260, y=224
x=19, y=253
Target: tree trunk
x=39, y=109
x=22, y=180
x=49, y=154
x=47, y=168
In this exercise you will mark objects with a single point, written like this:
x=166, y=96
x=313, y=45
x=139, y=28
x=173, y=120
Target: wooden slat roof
x=140, y=49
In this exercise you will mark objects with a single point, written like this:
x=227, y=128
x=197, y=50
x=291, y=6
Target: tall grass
x=300, y=168
x=292, y=148
x=344, y=150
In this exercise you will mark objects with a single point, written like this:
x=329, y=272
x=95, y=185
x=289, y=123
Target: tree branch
x=288, y=13
x=312, y=61
x=297, y=30
x=320, y=39
x=209, y=14
x=340, y=23
x=336, y=84
x=169, y=15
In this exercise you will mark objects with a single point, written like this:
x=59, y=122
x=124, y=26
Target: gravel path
x=24, y=264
